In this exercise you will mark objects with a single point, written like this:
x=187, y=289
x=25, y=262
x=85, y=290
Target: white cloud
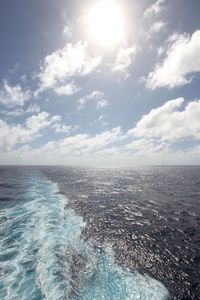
x=33, y=108
x=170, y=122
x=51, y=153
x=101, y=103
x=40, y=121
x=67, y=89
x=104, y=149
x=97, y=96
x=12, y=134
x=158, y=26
x=125, y=57
x=61, y=67
x=160, y=51
x=85, y=144
x=102, y=120
x=182, y=59
x=76, y=148
x=62, y=128
x=67, y=31
x=43, y=120
x=147, y=147
x=154, y=9
x=12, y=96
x=15, y=113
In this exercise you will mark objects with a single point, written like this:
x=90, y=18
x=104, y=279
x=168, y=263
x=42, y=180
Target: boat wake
x=44, y=255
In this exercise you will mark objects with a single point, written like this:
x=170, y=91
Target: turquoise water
x=44, y=256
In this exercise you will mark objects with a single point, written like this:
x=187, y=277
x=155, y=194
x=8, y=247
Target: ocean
x=99, y=234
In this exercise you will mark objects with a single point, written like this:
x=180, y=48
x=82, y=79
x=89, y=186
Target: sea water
x=44, y=254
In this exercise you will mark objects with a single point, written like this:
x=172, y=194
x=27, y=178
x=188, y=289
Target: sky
x=100, y=83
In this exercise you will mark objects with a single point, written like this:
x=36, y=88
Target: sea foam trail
x=43, y=255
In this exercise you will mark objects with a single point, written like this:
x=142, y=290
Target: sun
x=105, y=23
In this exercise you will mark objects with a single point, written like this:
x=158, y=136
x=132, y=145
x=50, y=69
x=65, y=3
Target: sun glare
x=105, y=23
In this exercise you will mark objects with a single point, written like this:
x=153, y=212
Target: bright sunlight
x=106, y=23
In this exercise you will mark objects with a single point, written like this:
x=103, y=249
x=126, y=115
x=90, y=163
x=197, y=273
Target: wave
x=44, y=255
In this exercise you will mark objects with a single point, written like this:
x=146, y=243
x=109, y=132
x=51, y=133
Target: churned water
x=74, y=233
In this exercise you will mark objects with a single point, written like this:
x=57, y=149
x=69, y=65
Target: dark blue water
x=74, y=233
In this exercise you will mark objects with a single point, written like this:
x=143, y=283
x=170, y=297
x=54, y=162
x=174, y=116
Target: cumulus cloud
x=59, y=69
x=97, y=96
x=85, y=144
x=125, y=57
x=50, y=153
x=147, y=147
x=105, y=148
x=12, y=134
x=182, y=59
x=12, y=96
x=73, y=148
x=40, y=121
x=154, y=9
x=170, y=122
